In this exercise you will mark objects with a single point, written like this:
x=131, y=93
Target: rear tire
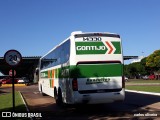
x=59, y=101
x=43, y=94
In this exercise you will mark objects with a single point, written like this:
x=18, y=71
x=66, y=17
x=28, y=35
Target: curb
x=140, y=84
x=24, y=101
x=142, y=92
x=10, y=85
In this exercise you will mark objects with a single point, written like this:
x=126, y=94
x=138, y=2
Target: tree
x=143, y=61
x=146, y=69
x=148, y=65
x=134, y=70
x=153, y=60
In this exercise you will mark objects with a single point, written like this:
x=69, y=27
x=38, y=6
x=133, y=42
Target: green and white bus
x=84, y=68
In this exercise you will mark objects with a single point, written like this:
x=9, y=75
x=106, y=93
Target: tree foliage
x=135, y=70
x=147, y=65
x=153, y=60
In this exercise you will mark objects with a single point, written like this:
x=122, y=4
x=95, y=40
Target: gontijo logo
x=106, y=47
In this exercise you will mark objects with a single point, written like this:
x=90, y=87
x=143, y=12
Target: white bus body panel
x=98, y=98
x=65, y=84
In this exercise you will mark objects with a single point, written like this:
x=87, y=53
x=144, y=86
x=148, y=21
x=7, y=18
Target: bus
x=84, y=68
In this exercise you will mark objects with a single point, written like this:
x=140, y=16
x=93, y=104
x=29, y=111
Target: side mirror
x=37, y=71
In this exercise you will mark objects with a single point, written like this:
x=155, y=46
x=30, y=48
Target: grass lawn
x=143, y=81
x=6, y=103
x=145, y=88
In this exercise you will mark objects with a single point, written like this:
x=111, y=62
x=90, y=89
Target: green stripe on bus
x=44, y=74
x=50, y=81
x=96, y=47
x=57, y=73
x=85, y=71
x=117, y=46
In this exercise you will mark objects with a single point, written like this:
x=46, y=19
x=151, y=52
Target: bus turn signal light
x=123, y=82
x=74, y=85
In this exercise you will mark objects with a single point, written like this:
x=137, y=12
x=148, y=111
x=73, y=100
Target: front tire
x=42, y=93
x=55, y=95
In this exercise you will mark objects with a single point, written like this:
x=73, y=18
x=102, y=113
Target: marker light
x=74, y=85
x=123, y=82
x=98, y=34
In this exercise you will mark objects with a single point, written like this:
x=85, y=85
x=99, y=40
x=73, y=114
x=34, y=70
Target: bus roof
x=77, y=34
x=85, y=34
x=54, y=48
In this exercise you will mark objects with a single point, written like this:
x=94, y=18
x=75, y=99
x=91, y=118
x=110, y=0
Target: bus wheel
x=55, y=94
x=59, y=101
x=43, y=94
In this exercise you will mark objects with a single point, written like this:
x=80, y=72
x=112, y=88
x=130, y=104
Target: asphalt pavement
x=135, y=104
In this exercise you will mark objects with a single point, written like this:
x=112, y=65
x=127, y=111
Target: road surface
x=134, y=107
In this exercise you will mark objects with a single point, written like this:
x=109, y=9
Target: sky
x=33, y=27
